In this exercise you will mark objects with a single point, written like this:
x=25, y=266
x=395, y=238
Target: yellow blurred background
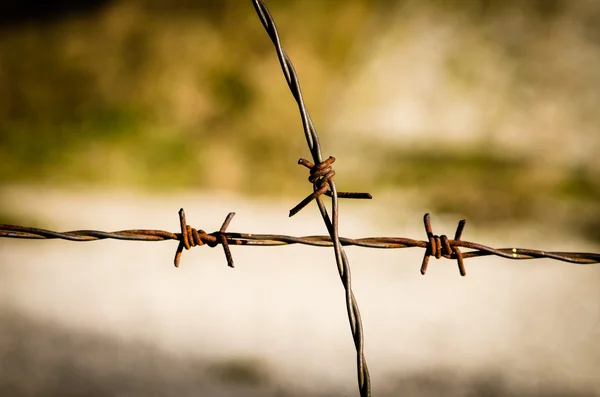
x=115, y=113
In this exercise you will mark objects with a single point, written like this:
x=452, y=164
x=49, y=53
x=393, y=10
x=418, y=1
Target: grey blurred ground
x=47, y=360
x=115, y=318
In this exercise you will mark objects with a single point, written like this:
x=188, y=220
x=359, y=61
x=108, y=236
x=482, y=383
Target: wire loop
x=321, y=175
x=190, y=237
x=441, y=246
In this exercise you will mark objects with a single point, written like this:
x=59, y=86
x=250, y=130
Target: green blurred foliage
x=188, y=94
x=157, y=94
x=247, y=372
x=491, y=187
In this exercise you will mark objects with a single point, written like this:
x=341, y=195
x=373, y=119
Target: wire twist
x=191, y=237
x=271, y=240
x=320, y=176
x=439, y=246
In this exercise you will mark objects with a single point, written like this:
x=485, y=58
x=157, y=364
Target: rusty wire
x=321, y=177
x=188, y=237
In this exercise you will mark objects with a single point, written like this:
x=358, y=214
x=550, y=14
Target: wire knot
x=190, y=237
x=321, y=175
x=441, y=246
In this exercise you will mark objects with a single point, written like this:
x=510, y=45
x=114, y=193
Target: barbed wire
x=321, y=177
x=188, y=237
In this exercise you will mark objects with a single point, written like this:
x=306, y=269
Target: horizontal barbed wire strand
x=312, y=139
x=270, y=240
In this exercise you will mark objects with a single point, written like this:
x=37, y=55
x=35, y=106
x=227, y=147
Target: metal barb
x=190, y=237
x=223, y=239
x=320, y=176
x=456, y=250
x=441, y=246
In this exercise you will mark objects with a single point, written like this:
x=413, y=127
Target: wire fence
x=321, y=177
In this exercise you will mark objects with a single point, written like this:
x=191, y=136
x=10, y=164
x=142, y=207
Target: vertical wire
x=332, y=226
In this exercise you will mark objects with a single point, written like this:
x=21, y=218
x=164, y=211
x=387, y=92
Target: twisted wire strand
x=200, y=237
x=331, y=224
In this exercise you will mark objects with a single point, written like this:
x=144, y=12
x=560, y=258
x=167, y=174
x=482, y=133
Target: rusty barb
x=320, y=176
x=438, y=246
x=191, y=237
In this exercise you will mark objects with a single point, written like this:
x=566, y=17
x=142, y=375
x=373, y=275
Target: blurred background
x=116, y=113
